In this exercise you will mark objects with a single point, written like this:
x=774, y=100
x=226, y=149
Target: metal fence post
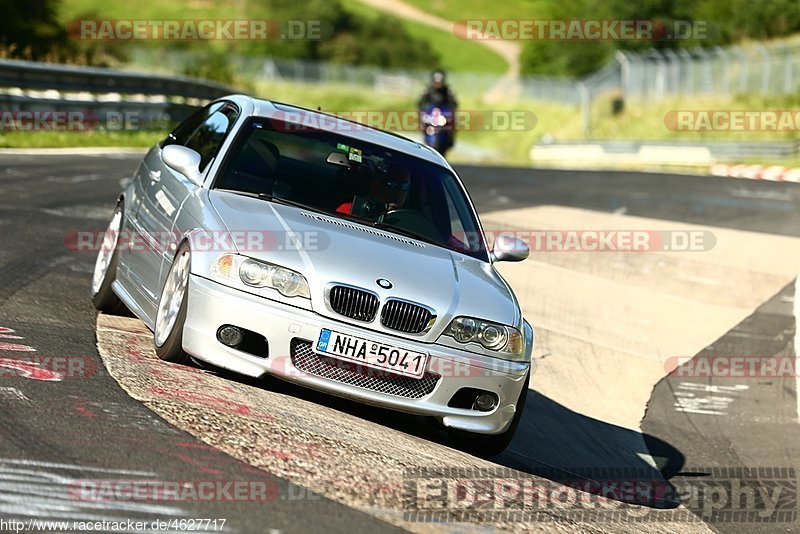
x=787, y=70
x=625, y=72
x=765, y=69
x=706, y=82
x=661, y=75
x=726, y=69
x=586, y=107
x=743, y=66
x=688, y=64
x=673, y=69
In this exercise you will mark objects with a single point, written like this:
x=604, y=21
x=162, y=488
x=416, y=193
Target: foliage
x=30, y=30
x=720, y=22
x=347, y=38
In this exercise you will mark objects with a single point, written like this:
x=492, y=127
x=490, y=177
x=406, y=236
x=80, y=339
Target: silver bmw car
x=268, y=239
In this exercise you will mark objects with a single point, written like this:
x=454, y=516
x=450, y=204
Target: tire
x=105, y=268
x=172, y=306
x=491, y=445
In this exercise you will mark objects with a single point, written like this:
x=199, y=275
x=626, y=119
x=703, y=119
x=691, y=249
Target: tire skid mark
x=6, y=333
x=25, y=369
x=48, y=490
x=14, y=347
x=31, y=370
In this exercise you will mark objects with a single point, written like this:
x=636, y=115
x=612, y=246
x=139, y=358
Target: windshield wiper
x=407, y=233
x=287, y=202
x=265, y=196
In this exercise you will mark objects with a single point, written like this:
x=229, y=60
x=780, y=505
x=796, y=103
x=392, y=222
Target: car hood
x=338, y=250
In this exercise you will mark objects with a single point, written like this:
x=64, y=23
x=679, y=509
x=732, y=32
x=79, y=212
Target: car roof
x=258, y=107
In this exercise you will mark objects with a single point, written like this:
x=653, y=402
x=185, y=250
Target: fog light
x=486, y=402
x=230, y=336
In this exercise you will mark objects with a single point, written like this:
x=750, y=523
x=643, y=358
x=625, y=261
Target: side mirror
x=509, y=248
x=183, y=160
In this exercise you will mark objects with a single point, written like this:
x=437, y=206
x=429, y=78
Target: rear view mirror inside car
x=338, y=158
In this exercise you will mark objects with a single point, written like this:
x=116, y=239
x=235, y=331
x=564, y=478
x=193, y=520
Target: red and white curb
x=772, y=173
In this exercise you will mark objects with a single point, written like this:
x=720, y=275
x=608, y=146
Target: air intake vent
x=362, y=228
x=406, y=316
x=354, y=303
x=306, y=360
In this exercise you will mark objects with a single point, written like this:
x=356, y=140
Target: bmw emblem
x=384, y=283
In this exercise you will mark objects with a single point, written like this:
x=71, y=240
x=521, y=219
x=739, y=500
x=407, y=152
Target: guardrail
x=105, y=94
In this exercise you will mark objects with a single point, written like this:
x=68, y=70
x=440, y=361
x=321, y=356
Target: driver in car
x=385, y=192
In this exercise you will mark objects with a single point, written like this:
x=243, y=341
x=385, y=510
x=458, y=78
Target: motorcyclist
x=438, y=95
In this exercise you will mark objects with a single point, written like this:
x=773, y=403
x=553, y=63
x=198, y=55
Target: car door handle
x=155, y=176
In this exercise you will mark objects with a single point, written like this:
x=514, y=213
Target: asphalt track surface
x=53, y=433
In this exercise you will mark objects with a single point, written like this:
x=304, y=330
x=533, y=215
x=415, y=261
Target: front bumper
x=285, y=327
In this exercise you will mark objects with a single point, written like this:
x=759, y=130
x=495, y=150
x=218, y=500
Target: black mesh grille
x=305, y=359
x=354, y=303
x=405, y=317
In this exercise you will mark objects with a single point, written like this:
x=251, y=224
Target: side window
x=204, y=131
x=207, y=138
x=181, y=133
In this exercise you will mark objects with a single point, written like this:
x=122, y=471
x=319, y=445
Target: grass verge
x=96, y=138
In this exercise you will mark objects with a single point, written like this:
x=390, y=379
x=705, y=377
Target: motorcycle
x=438, y=127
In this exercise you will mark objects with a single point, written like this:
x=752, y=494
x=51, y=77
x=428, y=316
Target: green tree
x=30, y=30
x=727, y=22
x=574, y=58
x=346, y=38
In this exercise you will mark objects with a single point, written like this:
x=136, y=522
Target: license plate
x=372, y=354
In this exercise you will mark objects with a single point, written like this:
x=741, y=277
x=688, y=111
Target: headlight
x=492, y=336
x=287, y=282
x=256, y=273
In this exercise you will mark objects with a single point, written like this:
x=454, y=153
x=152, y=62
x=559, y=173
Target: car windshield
x=346, y=177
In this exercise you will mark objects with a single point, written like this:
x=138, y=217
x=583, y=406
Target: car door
x=135, y=265
x=165, y=190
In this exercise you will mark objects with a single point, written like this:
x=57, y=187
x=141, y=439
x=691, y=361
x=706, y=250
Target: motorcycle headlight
x=254, y=273
x=492, y=336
